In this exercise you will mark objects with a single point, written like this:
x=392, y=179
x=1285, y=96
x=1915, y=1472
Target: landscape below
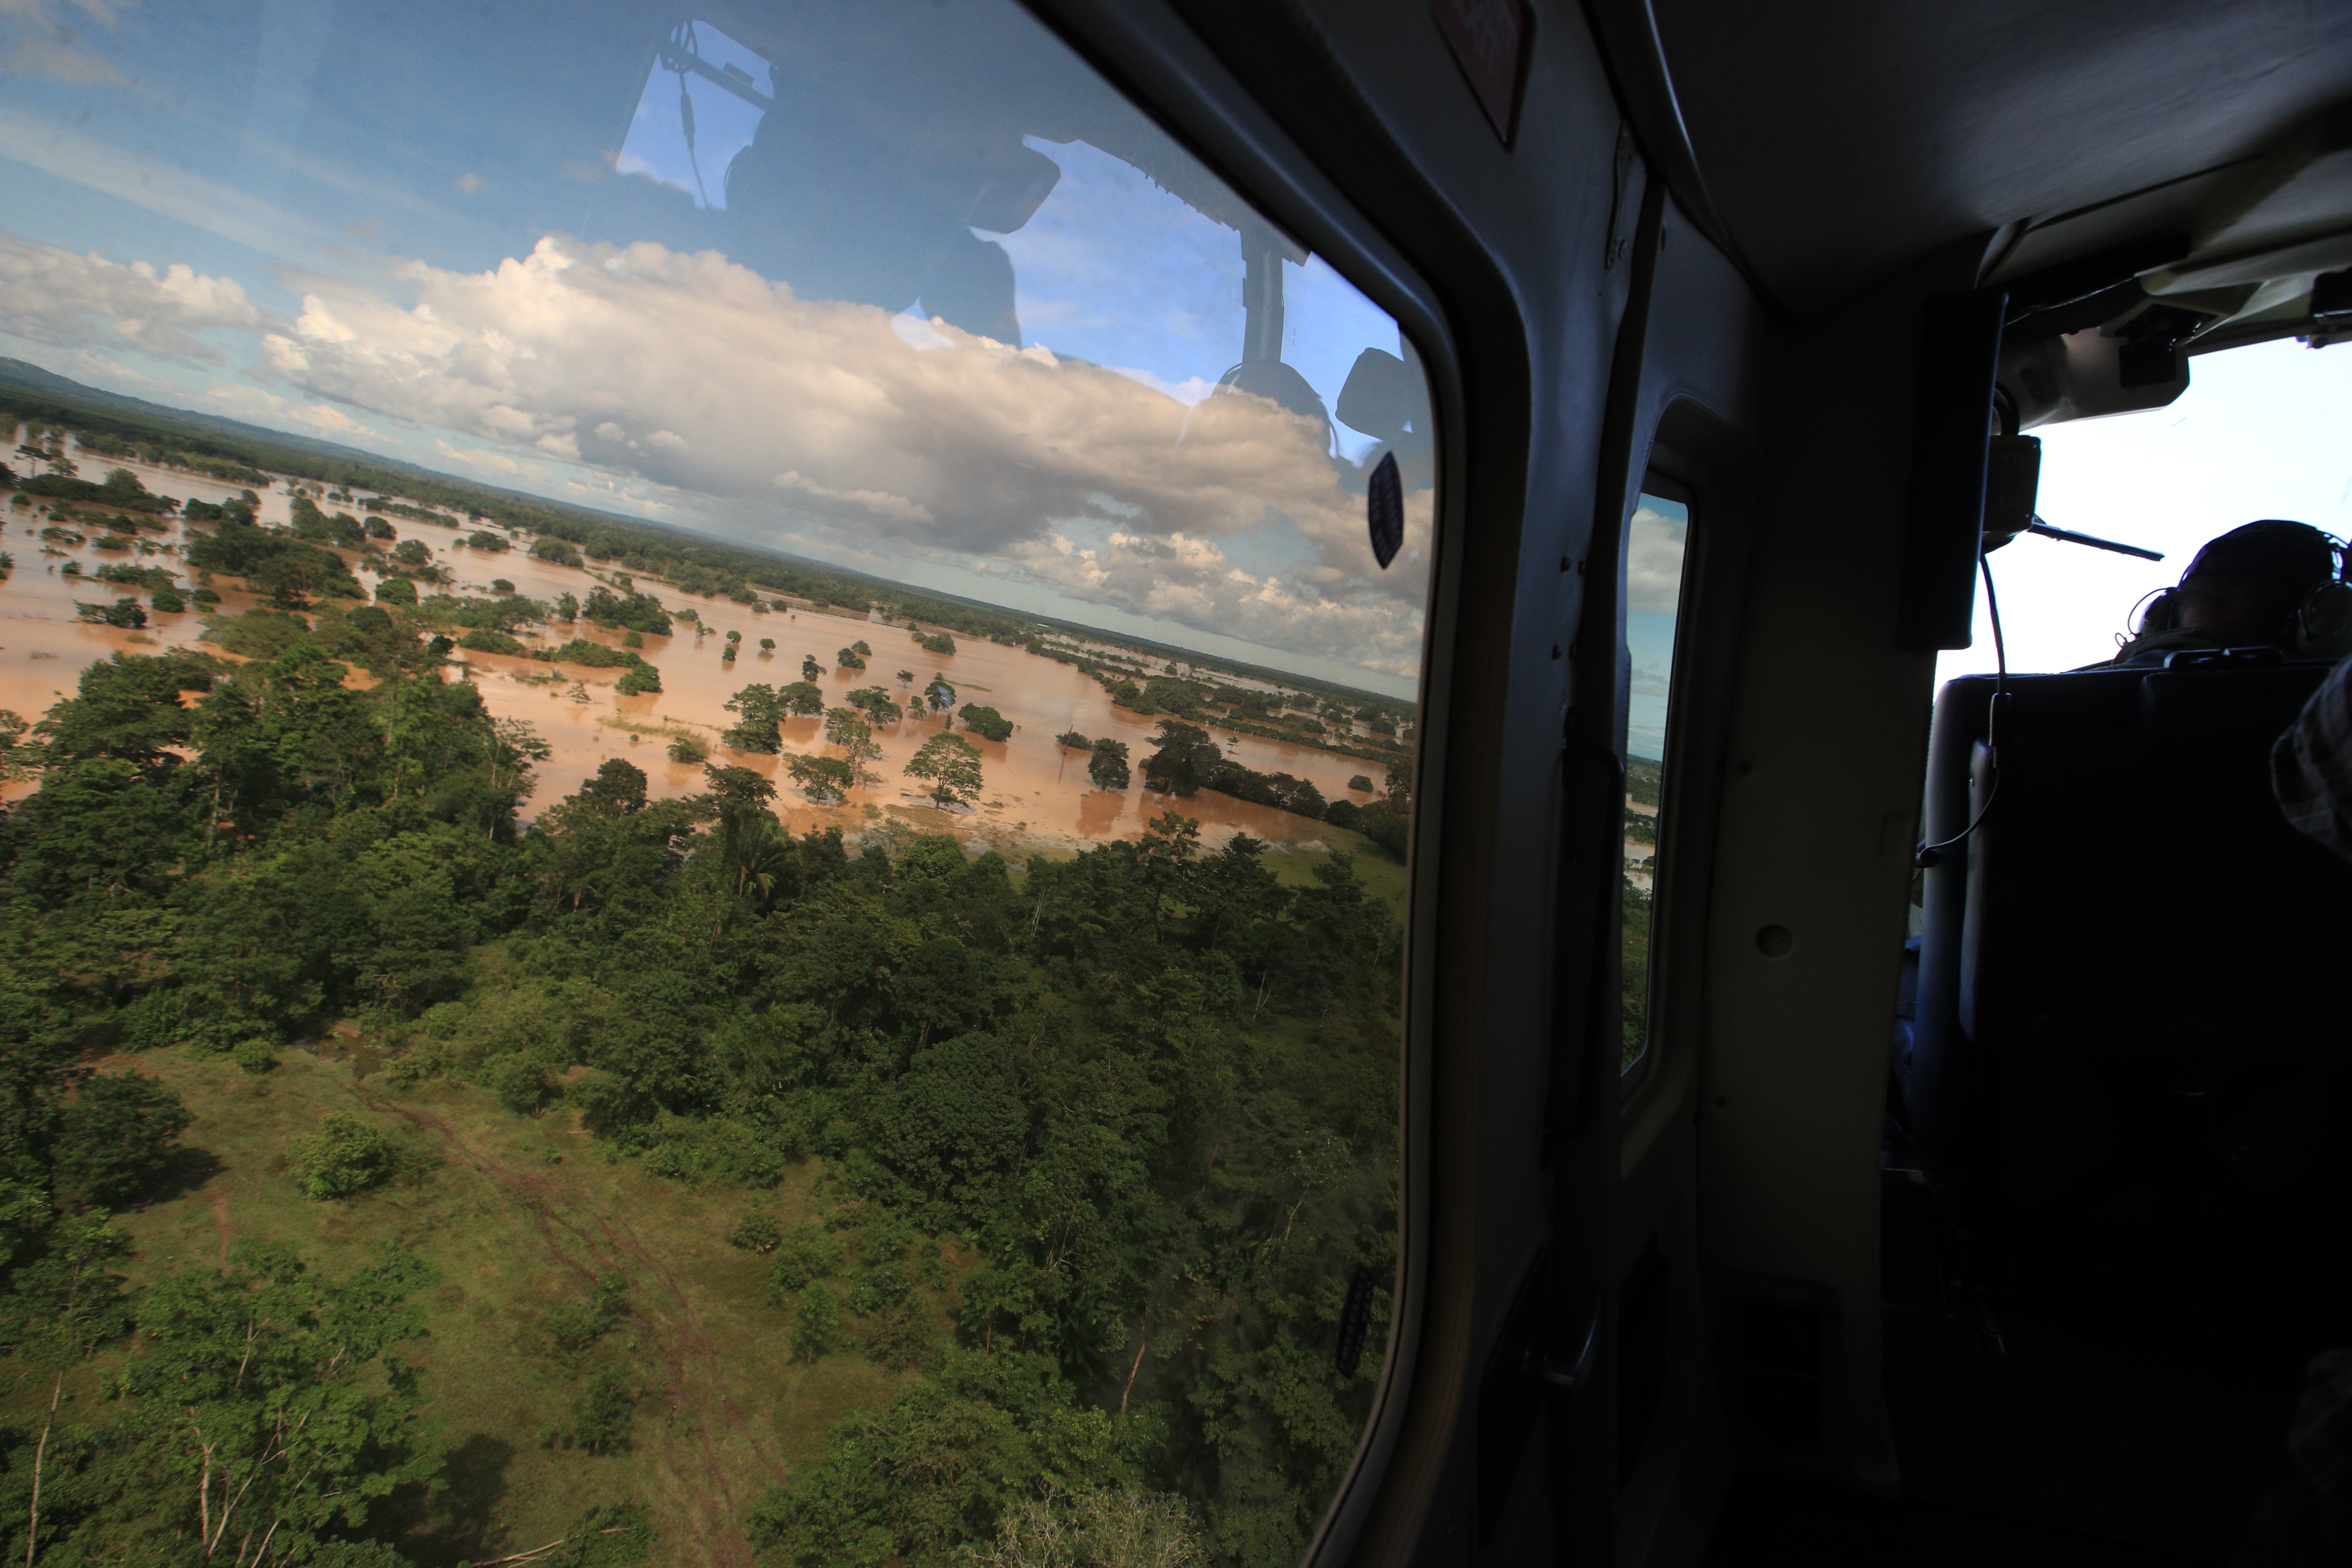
x=403, y=1167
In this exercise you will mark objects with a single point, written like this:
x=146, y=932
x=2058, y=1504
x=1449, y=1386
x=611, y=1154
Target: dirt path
x=586, y=1239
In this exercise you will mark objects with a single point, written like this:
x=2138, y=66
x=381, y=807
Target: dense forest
x=1106, y=1145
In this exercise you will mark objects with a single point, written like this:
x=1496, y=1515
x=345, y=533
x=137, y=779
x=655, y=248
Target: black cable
x=1929, y=855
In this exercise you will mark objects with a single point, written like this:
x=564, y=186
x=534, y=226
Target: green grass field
x=518, y=1217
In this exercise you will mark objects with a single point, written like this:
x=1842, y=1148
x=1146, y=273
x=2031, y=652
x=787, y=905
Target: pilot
x=2249, y=588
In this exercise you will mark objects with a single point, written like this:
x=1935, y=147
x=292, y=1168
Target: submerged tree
x=1185, y=759
x=827, y=780
x=1107, y=765
x=848, y=728
x=985, y=723
x=762, y=708
x=952, y=763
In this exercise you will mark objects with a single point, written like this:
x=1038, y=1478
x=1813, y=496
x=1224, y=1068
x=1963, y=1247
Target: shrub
x=633, y=638
x=806, y=1253
x=168, y=601
x=757, y=1232
x=899, y=1336
x=688, y=748
x=602, y=1413
x=521, y=1083
x=500, y=585
x=574, y=1328
x=391, y=591
x=481, y=639
x=643, y=678
x=819, y=1317
x=879, y=1286
x=1360, y=782
x=344, y=1156
x=256, y=1056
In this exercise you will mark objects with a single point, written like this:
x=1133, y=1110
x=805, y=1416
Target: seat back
x=2133, y=924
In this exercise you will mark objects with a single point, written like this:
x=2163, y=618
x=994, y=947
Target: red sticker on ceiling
x=1488, y=38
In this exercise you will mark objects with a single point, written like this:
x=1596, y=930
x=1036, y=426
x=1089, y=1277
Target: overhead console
x=2107, y=303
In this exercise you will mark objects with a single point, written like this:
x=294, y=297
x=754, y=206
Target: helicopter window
x=761, y=770
x=1654, y=548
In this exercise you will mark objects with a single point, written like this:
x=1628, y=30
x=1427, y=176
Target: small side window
x=1654, y=552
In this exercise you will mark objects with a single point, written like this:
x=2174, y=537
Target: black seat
x=2133, y=1014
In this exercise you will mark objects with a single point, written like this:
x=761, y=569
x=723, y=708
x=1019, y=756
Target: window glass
x=703, y=727
x=1654, y=546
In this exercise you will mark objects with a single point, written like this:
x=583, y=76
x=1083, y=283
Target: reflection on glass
x=1654, y=585
x=725, y=716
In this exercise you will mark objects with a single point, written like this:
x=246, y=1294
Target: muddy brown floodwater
x=1035, y=794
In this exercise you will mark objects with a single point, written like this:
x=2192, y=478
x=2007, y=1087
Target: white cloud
x=1654, y=560
x=53, y=296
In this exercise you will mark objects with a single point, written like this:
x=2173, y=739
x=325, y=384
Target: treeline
x=1148, y=1092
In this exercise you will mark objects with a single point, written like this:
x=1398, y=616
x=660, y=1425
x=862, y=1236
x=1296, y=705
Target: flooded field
x=1035, y=793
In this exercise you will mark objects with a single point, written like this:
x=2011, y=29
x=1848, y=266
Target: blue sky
x=444, y=235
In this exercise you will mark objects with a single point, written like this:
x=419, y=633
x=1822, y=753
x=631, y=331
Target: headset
x=2319, y=627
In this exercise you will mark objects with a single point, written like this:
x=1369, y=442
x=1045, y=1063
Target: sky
x=461, y=238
